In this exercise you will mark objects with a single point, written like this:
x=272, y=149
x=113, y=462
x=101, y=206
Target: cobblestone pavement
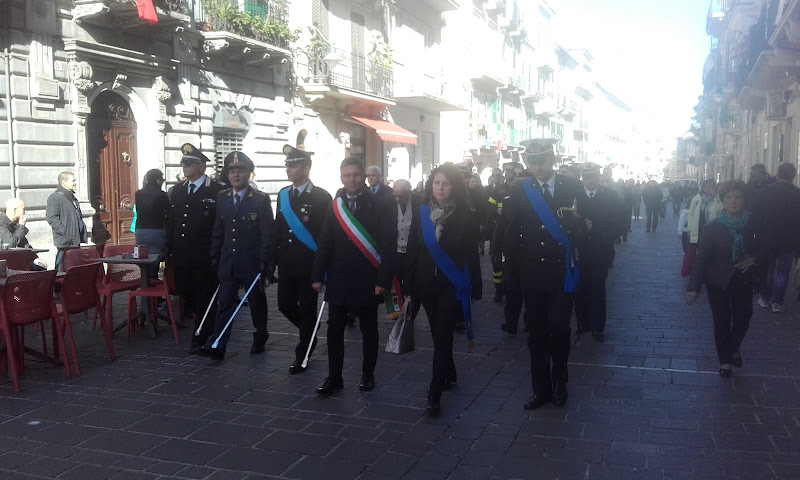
x=646, y=404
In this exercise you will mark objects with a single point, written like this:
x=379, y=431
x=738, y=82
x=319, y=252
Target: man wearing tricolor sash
x=302, y=207
x=354, y=266
x=542, y=239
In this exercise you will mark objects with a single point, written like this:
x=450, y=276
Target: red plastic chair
x=26, y=299
x=154, y=292
x=17, y=259
x=80, y=256
x=79, y=294
x=118, y=278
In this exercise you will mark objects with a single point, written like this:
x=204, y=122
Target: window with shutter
x=226, y=140
x=319, y=16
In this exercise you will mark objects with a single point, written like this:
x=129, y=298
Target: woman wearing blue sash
x=444, y=273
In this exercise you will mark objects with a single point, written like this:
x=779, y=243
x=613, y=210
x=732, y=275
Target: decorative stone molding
x=162, y=90
x=87, y=10
x=80, y=73
x=119, y=80
x=214, y=45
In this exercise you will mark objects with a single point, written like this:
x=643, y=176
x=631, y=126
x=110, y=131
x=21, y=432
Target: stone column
x=80, y=76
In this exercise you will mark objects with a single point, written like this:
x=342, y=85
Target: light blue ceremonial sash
x=295, y=225
x=459, y=278
x=553, y=226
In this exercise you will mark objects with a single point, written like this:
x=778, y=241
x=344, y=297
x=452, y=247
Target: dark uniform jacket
x=12, y=234
x=603, y=211
x=776, y=217
x=190, y=223
x=65, y=219
x=384, y=191
x=351, y=278
x=291, y=256
x=242, y=234
x=527, y=244
x=459, y=236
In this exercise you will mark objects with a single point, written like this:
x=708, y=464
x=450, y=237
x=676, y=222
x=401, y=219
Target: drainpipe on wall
x=11, y=162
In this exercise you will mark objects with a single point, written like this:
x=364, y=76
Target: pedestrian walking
x=190, y=224
x=152, y=209
x=64, y=216
x=499, y=193
x=542, y=244
x=704, y=207
x=444, y=269
x=354, y=266
x=776, y=216
x=301, y=211
x=600, y=207
x=724, y=262
x=407, y=208
x=240, y=252
x=652, y=196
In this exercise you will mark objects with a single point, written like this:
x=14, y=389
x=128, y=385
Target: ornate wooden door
x=113, y=178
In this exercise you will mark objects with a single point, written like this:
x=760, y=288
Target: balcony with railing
x=125, y=13
x=425, y=91
x=339, y=73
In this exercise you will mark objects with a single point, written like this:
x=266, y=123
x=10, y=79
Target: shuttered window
x=226, y=140
x=319, y=16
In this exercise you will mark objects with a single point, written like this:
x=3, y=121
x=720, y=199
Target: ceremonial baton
x=255, y=280
x=313, y=335
x=213, y=297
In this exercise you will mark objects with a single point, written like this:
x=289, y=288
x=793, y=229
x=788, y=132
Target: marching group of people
x=551, y=237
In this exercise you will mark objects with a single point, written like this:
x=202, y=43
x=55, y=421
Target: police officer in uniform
x=599, y=205
x=497, y=196
x=538, y=245
x=189, y=226
x=309, y=204
x=240, y=250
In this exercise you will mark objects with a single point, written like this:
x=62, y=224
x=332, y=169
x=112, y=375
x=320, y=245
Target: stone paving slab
x=646, y=404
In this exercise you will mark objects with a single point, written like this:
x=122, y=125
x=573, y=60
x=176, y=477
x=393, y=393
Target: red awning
x=388, y=131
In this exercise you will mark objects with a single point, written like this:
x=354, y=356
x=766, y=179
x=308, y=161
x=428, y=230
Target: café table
x=144, y=267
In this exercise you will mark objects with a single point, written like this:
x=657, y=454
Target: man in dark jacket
x=64, y=216
x=758, y=182
x=376, y=185
x=404, y=210
x=354, y=272
x=653, y=196
x=240, y=250
x=543, y=247
x=298, y=226
x=193, y=208
x=776, y=218
x=12, y=225
x=599, y=205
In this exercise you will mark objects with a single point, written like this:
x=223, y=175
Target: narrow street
x=646, y=404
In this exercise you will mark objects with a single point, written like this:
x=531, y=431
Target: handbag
x=401, y=339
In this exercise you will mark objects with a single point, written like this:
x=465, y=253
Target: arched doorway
x=111, y=146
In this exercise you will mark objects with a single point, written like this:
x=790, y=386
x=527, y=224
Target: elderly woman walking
x=724, y=262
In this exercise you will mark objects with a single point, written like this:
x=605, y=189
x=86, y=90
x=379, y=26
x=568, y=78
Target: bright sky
x=648, y=53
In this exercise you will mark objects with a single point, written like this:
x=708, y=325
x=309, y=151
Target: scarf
x=439, y=216
x=704, y=201
x=736, y=229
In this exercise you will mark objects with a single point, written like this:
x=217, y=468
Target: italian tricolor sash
x=367, y=245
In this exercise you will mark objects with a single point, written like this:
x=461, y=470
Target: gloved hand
x=267, y=270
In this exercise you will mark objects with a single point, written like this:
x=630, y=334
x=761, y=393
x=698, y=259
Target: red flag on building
x=147, y=11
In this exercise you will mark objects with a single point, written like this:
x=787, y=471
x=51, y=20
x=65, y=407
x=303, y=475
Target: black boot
x=259, y=342
x=498, y=293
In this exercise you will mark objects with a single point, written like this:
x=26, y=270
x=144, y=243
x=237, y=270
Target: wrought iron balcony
x=345, y=70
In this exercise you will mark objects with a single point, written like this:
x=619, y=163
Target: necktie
x=192, y=186
x=351, y=204
x=374, y=189
x=546, y=192
x=236, y=199
x=295, y=193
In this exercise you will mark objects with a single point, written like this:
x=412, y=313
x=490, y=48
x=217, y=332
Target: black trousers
x=547, y=314
x=415, y=303
x=513, y=291
x=652, y=217
x=227, y=302
x=298, y=302
x=731, y=310
x=443, y=311
x=337, y=322
x=196, y=286
x=590, y=301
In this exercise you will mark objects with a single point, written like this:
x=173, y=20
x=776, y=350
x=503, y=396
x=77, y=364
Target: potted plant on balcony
x=380, y=67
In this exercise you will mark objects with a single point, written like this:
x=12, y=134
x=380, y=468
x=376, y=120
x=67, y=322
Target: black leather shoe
x=460, y=326
x=537, y=401
x=296, y=367
x=508, y=328
x=367, y=383
x=217, y=354
x=259, y=343
x=736, y=360
x=725, y=370
x=560, y=396
x=195, y=349
x=330, y=387
x=599, y=336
